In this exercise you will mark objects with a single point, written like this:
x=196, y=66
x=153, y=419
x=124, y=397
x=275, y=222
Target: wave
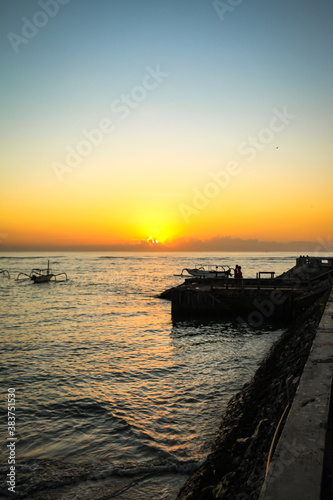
x=111, y=257
x=38, y=475
x=20, y=258
x=78, y=408
x=41, y=257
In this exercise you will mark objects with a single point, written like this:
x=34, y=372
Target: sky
x=157, y=123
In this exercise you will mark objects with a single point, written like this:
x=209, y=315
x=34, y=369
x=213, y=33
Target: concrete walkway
x=301, y=468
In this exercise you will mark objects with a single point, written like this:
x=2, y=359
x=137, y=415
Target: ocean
x=113, y=398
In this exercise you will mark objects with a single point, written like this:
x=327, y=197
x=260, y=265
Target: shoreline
x=236, y=465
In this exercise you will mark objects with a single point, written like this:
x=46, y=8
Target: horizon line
x=193, y=246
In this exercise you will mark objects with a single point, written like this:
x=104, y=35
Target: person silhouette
x=236, y=271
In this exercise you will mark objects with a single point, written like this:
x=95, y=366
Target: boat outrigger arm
x=5, y=273
x=42, y=275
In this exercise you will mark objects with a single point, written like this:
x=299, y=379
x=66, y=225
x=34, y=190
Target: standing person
x=236, y=271
x=238, y=276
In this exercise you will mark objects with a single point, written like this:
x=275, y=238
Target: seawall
x=236, y=466
x=307, y=472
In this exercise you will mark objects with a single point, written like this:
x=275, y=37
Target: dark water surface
x=103, y=376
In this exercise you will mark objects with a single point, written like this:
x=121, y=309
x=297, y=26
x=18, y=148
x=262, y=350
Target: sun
x=152, y=241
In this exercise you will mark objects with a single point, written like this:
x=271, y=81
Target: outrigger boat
x=42, y=275
x=209, y=272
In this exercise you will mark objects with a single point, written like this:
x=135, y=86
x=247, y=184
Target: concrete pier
x=256, y=299
x=301, y=467
x=251, y=300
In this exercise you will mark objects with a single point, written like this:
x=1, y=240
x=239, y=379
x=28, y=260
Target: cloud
x=228, y=244
x=216, y=244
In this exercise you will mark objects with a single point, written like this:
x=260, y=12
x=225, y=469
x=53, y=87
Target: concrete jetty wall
x=297, y=469
x=249, y=300
x=217, y=301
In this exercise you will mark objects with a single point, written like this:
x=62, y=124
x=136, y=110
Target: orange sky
x=84, y=211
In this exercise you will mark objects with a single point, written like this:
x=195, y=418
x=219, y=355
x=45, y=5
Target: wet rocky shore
x=235, y=468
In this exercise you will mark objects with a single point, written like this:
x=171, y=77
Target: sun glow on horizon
x=157, y=225
x=152, y=240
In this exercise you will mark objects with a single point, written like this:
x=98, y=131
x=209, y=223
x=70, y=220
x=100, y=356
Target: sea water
x=105, y=381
